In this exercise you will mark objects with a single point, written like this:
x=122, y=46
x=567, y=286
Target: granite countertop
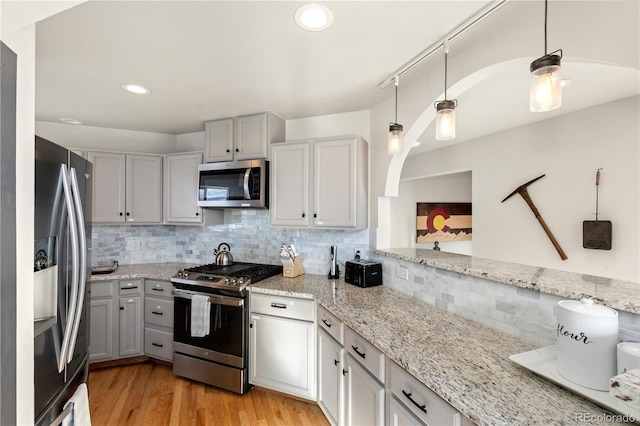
x=617, y=294
x=158, y=271
x=464, y=362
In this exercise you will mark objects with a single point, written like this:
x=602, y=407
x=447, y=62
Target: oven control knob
x=185, y=274
x=233, y=281
x=180, y=273
x=226, y=280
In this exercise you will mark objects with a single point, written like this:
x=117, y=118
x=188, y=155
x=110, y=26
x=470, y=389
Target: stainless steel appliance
x=234, y=184
x=219, y=358
x=61, y=266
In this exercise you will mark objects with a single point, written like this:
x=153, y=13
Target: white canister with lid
x=587, y=336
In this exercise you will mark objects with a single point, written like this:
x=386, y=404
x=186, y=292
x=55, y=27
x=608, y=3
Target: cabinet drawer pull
x=157, y=313
x=128, y=288
x=160, y=345
x=327, y=323
x=362, y=354
x=157, y=289
x=122, y=308
x=279, y=305
x=421, y=407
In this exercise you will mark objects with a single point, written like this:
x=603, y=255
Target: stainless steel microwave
x=234, y=184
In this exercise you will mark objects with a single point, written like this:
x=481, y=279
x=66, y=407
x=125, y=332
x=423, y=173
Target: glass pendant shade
x=445, y=120
x=395, y=145
x=546, y=84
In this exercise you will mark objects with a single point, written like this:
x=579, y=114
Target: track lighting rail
x=453, y=34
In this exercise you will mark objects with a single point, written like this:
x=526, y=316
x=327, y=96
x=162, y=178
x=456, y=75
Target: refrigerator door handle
x=72, y=301
x=82, y=265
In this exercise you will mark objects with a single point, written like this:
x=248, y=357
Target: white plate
x=543, y=362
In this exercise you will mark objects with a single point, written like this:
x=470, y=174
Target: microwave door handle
x=74, y=268
x=82, y=255
x=247, y=175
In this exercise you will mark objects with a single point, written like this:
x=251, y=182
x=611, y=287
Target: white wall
x=190, y=142
x=609, y=34
x=451, y=188
x=568, y=149
x=100, y=138
x=349, y=123
x=17, y=31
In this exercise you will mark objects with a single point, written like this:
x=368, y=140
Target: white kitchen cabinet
x=103, y=341
x=181, y=188
x=330, y=378
x=364, y=396
x=130, y=321
x=158, y=319
x=282, y=349
x=400, y=416
x=320, y=183
x=127, y=188
x=290, y=173
x=242, y=138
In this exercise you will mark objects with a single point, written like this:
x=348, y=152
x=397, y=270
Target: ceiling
x=204, y=60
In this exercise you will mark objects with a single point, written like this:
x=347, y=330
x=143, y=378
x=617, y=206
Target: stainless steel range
x=218, y=355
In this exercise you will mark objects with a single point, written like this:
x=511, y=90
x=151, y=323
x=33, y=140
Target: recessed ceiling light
x=136, y=88
x=415, y=144
x=565, y=82
x=314, y=17
x=71, y=120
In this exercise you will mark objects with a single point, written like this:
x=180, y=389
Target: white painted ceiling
x=204, y=60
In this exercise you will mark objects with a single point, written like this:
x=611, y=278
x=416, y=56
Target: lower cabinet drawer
x=282, y=306
x=158, y=344
x=421, y=401
x=158, y=312
x=365, y=353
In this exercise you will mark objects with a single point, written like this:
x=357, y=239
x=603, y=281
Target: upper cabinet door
x=181, y=186
x=144, y=189
x=251, y=137
x=108, y=187
x=219, y=140
x=334, y=164
x=290, y=184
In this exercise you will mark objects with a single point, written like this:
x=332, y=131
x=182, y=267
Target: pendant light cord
x=545, y=27
x=446, y=53
x=397, y=82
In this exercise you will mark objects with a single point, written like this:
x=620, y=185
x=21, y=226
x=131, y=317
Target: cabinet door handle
x=228, y=150
x=421, y=407
x=157, y=289
x=344, y=372
x=327, y=323
x=303, y=215
x=160, y=345
x=315, y=215
x=197, y=214
x=127, y=213
x=237, y=150
x=120, y=213
x=122, y=308
x=279, y=305
x=336, y=362
x=362, y=354
x=157, y=313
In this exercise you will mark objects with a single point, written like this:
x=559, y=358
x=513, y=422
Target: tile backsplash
x=248, y=232
x=527, y=314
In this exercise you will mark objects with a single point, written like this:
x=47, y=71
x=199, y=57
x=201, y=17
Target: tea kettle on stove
x=223, y=256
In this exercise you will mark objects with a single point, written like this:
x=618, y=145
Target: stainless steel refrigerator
x=61, y=269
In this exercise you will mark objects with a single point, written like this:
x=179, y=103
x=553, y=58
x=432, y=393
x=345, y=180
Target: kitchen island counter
x=462, y=361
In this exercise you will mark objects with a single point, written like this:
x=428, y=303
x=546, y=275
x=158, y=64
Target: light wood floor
x=149, y=394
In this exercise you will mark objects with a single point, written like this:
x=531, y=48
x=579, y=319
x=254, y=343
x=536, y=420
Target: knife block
x=295, y=270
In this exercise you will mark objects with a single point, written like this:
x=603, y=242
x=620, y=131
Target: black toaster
x=363, y=273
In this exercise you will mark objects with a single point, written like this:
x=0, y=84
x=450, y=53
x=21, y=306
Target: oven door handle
x=213, y=298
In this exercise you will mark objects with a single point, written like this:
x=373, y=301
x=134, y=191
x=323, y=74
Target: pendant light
x=545, y=93
x=445, y=110
x=395, y=130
